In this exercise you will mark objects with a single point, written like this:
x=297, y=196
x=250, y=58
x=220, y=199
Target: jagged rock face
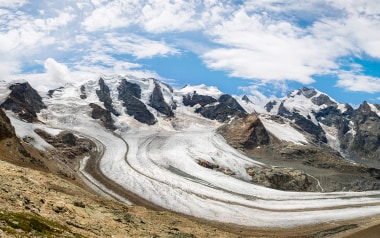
x=202, y=100
x=105, y=97
x=307, y=92
x=104, y=115
x=220, y=112
x=323, y=99
x=130, y=94
x=6, y=128
x=230, y=102
x=83, y=92
x=223, y=109
x=269, y=106
x=246, y=99
x=52, y=91
x=246, y=133
x=24, y=101
x=157, y=101
x=128, y=89
x=366, y=142
x=304, y=123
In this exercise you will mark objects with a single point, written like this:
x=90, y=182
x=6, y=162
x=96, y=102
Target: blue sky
x=257, y=47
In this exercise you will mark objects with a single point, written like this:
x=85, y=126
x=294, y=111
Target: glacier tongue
x=160, y=162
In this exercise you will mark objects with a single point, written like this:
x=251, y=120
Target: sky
x=256, y=47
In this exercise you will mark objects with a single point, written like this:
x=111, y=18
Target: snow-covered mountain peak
x=201, y=89
x=304, y=101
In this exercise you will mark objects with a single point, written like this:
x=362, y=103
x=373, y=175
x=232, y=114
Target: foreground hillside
x=34, y=203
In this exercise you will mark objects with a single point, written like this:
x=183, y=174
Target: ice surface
x=159, y=164
x=283, y=131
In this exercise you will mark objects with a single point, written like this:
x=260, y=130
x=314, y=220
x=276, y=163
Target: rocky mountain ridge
x=321, y=122
x=352, y=132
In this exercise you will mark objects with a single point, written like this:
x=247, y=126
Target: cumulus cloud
x=255, y=47
x=113, y=14
x=57, y=73
x=276, y=41
x=359, y=83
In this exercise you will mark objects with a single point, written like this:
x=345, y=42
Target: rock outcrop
x=67, y=144
x=83, y=94
x=305, y=124
x=246, y=99
x=246, y=133
x=6, y=128
x=194, y=99
x=104, y=115
x=13, y=149
x=104, y=96
x=24, y=101
x=157, y=101
x=365, y=143
x=130, y=94
x=224, y=109
x=283, y=179
x=230, y=102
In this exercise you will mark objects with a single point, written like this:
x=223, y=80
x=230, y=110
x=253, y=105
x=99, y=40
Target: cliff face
x=130, y=95
x=13, y=150
x=6, y=129
x=104, y=116
x=157, y=101
x=104, y=96
x=365, y=143
x=24, y=101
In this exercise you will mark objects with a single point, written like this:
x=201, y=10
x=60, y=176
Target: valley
x=197, y=155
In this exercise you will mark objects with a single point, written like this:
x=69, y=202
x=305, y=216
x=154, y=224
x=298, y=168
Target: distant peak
x=308, y=92
x=246, y=99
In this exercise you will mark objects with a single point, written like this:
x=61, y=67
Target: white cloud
x=162, y=16
x=57, y=73
x=264, y=40
x=257, y=47
x=359, y=83
x=49, y=24
x=13, y=3
x=139, y=47
x=114, y=14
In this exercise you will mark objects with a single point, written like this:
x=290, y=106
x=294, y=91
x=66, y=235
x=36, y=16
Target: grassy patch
x=29, y=225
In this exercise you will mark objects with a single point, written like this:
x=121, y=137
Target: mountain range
x=201, y=152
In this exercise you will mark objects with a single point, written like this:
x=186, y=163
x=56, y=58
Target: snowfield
x=159, y=163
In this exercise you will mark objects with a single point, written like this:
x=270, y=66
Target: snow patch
x=284, y=131
x=25, y=131
x=374, y=109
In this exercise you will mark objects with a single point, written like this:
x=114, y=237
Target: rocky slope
x=38, y=204
x=25, y=101
x=354, y=133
